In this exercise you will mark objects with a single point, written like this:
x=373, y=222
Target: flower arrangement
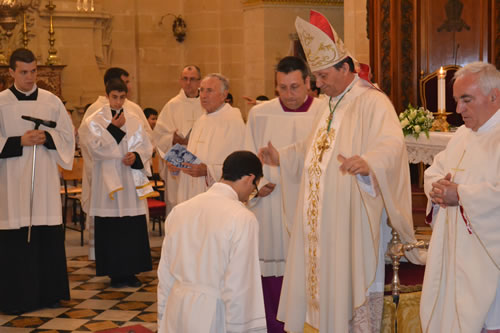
x=415, y=121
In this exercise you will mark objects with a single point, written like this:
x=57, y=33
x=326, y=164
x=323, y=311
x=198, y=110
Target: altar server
x=33, y=275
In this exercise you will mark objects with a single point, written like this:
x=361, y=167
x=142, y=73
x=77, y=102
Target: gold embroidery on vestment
x=322, y=142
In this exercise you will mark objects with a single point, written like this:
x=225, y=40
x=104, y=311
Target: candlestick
x=442, y=91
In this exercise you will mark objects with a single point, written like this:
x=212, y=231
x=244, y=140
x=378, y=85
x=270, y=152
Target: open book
x=178, y=154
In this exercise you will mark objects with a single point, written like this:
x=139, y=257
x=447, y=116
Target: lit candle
x=441, y=90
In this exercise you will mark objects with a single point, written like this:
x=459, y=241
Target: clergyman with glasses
x=175, y=122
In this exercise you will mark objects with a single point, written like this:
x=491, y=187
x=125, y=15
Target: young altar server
x=121, y=153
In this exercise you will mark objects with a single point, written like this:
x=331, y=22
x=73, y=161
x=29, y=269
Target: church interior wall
x=241, y=39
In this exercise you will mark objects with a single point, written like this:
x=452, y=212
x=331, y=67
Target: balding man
x=216, y=134
x=175, y=123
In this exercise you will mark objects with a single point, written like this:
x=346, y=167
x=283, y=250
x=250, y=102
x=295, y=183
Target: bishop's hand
x=269, y=155
x=353, y=165
x=266, y=190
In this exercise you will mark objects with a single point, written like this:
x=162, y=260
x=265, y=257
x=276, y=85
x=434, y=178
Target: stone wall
x=241, y=39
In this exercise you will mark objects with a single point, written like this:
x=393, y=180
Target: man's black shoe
x=132, y=281
x=118, y=283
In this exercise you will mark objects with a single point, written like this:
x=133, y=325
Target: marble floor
x=94, y=305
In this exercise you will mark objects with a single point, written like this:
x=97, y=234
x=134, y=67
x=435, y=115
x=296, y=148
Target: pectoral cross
x=323, y=145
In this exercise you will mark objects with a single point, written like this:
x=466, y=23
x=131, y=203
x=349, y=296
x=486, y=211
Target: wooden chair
x=72, y=191
x=157, y=183
x=156, y=205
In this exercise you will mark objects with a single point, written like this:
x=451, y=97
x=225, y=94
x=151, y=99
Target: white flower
x=417, y=129
x=404, y=123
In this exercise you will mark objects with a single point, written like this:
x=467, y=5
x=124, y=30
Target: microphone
x=38, y=122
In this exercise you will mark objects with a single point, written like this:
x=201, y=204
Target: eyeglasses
x=189, y=79
x=255, y=192
x=253, y=199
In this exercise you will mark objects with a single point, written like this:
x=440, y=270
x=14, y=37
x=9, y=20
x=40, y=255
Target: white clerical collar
x=24, y=92
x=490, y=123
x=356, y=79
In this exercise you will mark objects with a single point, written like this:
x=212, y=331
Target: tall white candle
x=441, y=90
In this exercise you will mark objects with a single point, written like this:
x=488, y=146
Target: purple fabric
x=271, y=286
x=303, y=108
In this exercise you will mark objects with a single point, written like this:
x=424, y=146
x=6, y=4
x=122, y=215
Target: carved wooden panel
x=410, y=38
x=48, y=78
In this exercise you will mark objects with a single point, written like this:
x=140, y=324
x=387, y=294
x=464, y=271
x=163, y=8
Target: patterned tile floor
x=94, y=305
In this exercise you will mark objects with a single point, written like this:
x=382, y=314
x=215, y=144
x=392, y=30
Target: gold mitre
x=321, y=44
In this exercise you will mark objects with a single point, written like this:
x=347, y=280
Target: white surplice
x=15, y=172
x=214, y=136
x=87, y=160
x=269, y=122
x=462, y=275
x=113, y=188
x=178, y=115
x=209, y=276
x=334, y=257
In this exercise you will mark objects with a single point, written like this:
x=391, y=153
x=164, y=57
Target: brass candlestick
x=440, y=124
x=53, y=58
x=25, y=32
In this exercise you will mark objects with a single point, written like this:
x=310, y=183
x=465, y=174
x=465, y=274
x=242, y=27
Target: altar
x=423, y=149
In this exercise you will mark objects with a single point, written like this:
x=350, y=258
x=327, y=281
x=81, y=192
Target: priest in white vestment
x=283, y=120
x=33, y=274
x=461, y=290
x=175, y=124
x=216, y=134
x=111, y=73
x=121, y=151
x=354, y=169
x=209, y=275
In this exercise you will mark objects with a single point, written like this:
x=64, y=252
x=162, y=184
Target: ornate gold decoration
x=440, y=124
x=25, y=32
x=179, y=27
x=52, y=59
x=322, y=142
x=9, y=10
x=321, y=50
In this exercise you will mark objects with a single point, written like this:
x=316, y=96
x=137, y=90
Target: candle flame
x=441, y=70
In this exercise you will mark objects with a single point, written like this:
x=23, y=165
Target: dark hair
x=116, y=85
x=314, y=87
x=114, y=73
x=195, y=67
x=241, y=163
x=262, y=98
x=149, y=112
x=290, y=64
x=22, y=55
x=229, y=98
x=347, y=60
